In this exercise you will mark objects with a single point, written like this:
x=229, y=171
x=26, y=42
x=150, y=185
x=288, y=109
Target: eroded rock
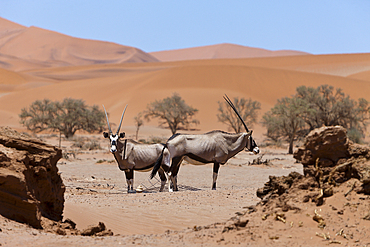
x=99, y=230
x=30, y=186
x=329, y=159
x=329, y=144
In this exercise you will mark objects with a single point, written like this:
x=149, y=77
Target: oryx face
x=252, y=145
x=113, y=140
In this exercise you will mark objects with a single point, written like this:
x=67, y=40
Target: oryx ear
x=122, y=135
x=105, y=134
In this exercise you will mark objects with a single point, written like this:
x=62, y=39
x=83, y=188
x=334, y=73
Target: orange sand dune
x=9, y=80
x=332, y=64
x=201, y=85
x=219, y=51
x=51, y=49
x=17, y=64
x=10, y=77
x=365, y=75
x=7, y=27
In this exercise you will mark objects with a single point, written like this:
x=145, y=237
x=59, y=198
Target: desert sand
x=96, y=192
x=38, y=64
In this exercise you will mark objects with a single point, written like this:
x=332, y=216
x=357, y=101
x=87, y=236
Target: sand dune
x=201, y=85
x=364, y=75
x=11, y=78
x=220, y=51
x=331, y=64
x=17, y=64
x=46, y=48
x=7, y=27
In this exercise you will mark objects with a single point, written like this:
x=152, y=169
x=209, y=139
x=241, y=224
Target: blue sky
x=314, y=26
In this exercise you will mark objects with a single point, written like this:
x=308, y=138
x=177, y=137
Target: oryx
x=133, y=156
x=215, y=147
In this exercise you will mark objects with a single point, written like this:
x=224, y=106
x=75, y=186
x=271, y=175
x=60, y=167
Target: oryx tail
x=158, y=163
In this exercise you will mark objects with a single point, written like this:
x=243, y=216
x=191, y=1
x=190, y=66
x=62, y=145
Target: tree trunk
x=291, y=142
x=172, y=128
x=137, y=133
x=60, y=139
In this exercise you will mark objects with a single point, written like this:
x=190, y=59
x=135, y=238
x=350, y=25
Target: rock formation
x=30, y=186
x=329, y=159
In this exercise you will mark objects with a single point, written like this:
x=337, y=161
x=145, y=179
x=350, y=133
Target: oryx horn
x=110, y=130
x=237, y=113
x=119, y=127
x=123, y=113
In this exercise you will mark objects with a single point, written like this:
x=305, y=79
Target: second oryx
x=133, y=156
x=215, y=147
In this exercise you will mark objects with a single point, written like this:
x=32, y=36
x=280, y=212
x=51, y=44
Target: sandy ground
x=96, y=192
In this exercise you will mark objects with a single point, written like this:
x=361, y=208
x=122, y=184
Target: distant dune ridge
x=37, y=64
x=39, y=48
x=220, y=51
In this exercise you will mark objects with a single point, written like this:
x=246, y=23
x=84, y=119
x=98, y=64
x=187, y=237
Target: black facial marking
x=251, y=144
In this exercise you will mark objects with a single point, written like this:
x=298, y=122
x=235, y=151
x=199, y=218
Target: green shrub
x=355, y=135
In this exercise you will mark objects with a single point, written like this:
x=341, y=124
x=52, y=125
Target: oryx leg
x=130, y=181
x=163, y=179
x=216, y=167
x=175, y=166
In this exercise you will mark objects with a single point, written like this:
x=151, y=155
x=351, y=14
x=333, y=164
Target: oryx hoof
x=131, y=191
